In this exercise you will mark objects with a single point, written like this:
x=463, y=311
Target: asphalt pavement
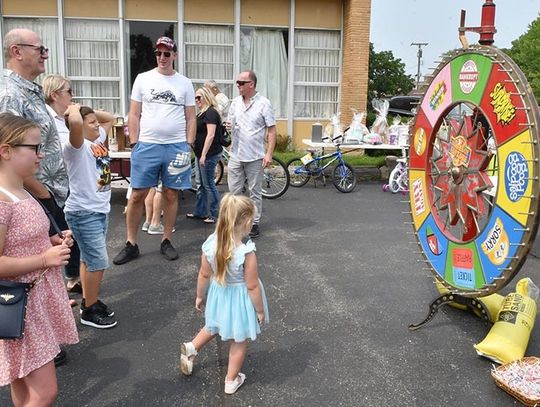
x=343, y=278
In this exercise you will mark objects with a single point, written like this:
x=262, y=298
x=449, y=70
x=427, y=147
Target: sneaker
x=102, y=306
x=158, y=230
x=168, y=250
x=94, y=316
x=187, y=355
x=145, y=226
x=254, y=231
x=231, y=387
x=128, y=253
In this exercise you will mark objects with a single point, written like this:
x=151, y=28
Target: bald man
x=25, y=57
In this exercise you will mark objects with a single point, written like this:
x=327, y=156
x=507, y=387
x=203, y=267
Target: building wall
x=350, y=17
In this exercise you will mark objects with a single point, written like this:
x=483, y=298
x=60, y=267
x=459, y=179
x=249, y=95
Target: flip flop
x=209, y=220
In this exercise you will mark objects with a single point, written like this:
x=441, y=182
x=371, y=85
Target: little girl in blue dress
x=236, y=303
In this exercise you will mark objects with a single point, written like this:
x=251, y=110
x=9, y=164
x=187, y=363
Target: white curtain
x=316, y=73
x=209, y=54
x=264, y=52
x=93, y=62
x=47, y=29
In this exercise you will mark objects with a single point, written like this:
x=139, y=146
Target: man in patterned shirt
x=25, y=55
x=251, y=119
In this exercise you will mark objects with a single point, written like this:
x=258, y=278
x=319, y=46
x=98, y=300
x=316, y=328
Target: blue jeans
x=207, y=193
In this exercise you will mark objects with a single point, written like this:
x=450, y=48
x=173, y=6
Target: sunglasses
x=166, y=54
x=42, y=50
x=242, y=83
x=38, y=148
x=70, y=91
x=197, y=98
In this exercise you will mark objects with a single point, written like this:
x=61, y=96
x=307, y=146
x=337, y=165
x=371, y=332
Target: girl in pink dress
x=27, y=253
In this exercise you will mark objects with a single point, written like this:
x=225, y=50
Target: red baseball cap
x=168, y=42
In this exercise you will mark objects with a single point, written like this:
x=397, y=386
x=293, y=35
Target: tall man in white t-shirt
x=162, y=126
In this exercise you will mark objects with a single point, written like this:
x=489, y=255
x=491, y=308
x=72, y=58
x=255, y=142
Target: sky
x=436, y=22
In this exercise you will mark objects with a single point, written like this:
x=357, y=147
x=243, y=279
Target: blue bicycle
x=301, y=169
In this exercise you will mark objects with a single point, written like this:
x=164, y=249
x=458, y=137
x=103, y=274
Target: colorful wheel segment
x=474, y=171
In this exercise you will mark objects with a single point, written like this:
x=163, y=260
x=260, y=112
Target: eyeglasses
x=68, y=91
x=38, y=148
x=166, y=54
x=198, y=98
x=242, y=83
x=42, y=50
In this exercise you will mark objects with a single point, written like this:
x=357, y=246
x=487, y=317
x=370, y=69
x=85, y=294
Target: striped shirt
x=250, y=124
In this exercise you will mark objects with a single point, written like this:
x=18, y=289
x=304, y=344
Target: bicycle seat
x=402, y=160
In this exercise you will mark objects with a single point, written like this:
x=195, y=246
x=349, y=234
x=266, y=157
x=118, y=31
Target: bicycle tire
x=344, y=178
x=297, y=180
x=276, y=179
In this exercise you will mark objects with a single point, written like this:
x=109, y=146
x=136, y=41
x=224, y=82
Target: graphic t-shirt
x=163, y=98
x=89, y=175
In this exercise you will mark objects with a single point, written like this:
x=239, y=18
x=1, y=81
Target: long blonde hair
x=234, y=211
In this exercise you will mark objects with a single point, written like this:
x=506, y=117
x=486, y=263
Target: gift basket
x=520, y=379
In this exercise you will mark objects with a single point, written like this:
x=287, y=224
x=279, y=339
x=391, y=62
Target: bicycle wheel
x=403, y=181
x=218, y=174
x=276, y=179
x=298, y=173
x=393, y=179
x=343, y=177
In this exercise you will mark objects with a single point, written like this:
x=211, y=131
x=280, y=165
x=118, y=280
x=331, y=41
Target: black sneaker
x=128, y=253
x=104, y=308
x=94, y=316
x=168, y=250
x=254, y=231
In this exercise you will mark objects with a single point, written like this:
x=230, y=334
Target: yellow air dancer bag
x=492, y=302
x=507, y=340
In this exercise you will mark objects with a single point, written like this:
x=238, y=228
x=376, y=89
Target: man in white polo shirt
x=251, y=119
x=162, y=125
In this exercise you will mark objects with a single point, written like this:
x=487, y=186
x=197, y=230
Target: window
x=47, y=29
x=209, y=54
x=93, y=62
x=316, y=73
x=264, y=51
x=142, y=40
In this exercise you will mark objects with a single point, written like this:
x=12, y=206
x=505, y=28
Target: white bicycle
x=398, y=181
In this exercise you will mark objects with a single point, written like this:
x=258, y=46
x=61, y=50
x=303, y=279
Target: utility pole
x=419, y=57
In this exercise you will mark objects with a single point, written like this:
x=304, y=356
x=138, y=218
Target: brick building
x=311, y=56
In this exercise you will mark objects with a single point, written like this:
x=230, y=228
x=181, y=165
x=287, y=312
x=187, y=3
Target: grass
x=353, y=159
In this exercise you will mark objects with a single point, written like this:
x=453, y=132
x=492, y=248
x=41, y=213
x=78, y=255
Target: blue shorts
x=90, y=231
x=169, y=162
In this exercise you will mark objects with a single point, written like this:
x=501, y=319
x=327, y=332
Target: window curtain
x=264, y=52
x=93, y=62
x=209, y=55
x=316, y=73
x=47, y=29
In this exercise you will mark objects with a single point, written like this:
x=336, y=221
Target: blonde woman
x=207, y=150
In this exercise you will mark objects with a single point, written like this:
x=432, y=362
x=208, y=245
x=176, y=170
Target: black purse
x=13, y=298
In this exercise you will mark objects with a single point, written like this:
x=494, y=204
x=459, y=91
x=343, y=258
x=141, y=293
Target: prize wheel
x=473, y=171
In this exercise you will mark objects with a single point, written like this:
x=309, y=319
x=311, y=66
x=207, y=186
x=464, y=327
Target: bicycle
x=276, y=179
x=398, y=180
x=312, y=165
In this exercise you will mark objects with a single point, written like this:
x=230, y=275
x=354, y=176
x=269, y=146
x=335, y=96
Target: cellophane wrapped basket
x=521, y=379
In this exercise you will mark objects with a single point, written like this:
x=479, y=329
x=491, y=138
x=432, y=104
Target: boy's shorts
x=90, y=231
x=169, y=162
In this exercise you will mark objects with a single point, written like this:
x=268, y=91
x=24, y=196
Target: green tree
x=386, y=75
x=525, y=52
